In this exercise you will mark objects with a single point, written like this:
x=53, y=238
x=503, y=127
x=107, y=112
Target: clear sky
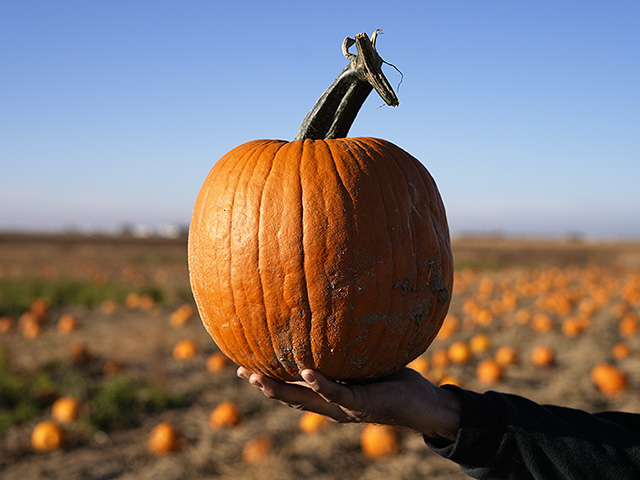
x=526, y=113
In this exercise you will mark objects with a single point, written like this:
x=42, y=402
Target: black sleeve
x=505, y=436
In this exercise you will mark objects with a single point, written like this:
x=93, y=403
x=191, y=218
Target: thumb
x=331, y=391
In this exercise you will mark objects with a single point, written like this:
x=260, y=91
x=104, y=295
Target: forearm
x=507, y=436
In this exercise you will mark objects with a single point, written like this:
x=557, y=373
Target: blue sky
x=526, y=113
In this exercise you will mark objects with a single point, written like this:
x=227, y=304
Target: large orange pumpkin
x=325, y=252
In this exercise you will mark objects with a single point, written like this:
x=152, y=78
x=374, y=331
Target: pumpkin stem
x=334, y=112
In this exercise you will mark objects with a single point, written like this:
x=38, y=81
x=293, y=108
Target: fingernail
x=307, y=376
x=256, y=383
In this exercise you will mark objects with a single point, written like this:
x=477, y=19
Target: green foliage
x=115, y=405
x=155, y=399
x=16, y=295
x=20, y=399
x=121, y=403
x=114, y=402
x=156, y=293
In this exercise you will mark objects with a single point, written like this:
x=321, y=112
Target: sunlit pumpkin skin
x=331, y=254
x=325, y=254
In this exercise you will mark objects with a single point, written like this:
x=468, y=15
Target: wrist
x=439, y=418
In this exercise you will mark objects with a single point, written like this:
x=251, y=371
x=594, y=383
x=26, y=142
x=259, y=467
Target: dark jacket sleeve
x=506, y=436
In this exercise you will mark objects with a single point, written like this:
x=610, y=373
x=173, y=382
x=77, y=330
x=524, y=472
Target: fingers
x=297, y=396
x=330, y=391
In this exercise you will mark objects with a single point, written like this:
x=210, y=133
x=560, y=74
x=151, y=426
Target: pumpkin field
x=106, y=371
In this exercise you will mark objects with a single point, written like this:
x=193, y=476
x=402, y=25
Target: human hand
x=404, y=399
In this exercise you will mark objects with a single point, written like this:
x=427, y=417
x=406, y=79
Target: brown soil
x=142, y=340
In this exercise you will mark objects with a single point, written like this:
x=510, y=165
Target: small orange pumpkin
x=459, y=352
x=39, y=308
x=325, y=252
x=542, y=323
x=311, y=422
x=108, y=306
x=30, y=326
x=506, y=355
x=47, y=435
x=181, y=315
x=6, y=324
x=185, y=349
x=132, y=300
x=65, y=409
x=542, y=356
x=225, y=415
x=216, y=362
x=439, y=358
x=609, y=379
x=629, y=325
x=449, y=380
x=67, y=323
x=256, y=449
x=574, y=326
x=489, y=371
x=146, y=302
x=620, y=350
x=378, y=441
x=479, y=343
x=164, y=439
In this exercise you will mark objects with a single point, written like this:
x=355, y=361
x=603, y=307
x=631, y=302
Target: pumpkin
x=629, y=325
x=479, y=343
x=180, y=316
x=146, y=302
x=132, y=300
x=506, y=355
x=609, y=379
x=311, y=422
x=29, y=325
x=378, y=441
x=65, y=409
x=449, y=380
x=324, y=252
x=108, y=306
x=67, y=323
x=440, y=358
x=225, y=415
x=185, y=349
x=164, y=439
x=216, y=362
x=256, y=449
x=459, y=352
x=542, y=323
x=542, y=356
x=47, y=435
x=39, y=308
x=489, y=371
x=620, y=350
x=6, y=324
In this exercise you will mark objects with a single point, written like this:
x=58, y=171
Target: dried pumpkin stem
x=334, y=112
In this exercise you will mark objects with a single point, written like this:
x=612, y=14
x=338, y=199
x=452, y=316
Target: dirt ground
x=142, y=341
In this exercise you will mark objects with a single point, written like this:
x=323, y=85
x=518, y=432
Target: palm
x=390, y=400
